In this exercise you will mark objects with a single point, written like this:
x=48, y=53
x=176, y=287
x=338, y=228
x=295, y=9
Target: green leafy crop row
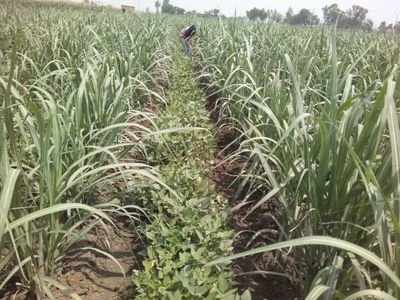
x=187, y=229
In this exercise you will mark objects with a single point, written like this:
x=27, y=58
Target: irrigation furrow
x=250, y=231
x=188, y=227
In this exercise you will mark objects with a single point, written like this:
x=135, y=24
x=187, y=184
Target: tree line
x=353, y=18
x=168, y=8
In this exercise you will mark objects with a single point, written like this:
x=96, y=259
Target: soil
x=92, y=275
x=224, y=174
x=11, y=289
x=95, y=276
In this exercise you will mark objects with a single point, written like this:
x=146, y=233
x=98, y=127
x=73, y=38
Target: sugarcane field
x=183, y=150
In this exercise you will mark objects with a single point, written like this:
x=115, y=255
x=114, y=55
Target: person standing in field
x=185, y=35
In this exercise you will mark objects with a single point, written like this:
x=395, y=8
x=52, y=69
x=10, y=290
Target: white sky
x=379, y=10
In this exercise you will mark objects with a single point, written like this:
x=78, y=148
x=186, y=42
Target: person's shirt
x=183, y=33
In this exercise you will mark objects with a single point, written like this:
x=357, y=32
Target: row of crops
x=316, y=116
x=71, y=84
x=317, y=120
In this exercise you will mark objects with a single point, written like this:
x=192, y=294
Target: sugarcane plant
x=70, y=84
x=316, y=113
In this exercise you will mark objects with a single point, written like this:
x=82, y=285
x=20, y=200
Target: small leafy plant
x=188, y=228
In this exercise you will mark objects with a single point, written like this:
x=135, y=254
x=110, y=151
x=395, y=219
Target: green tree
x=157, y=4
x=332, y=14
x=274, y=16
x=289, y=15
x=382, y=26
x=368, y=25
x=256, y=13
x=304, y=17
x=166, y=7
x=355, y=18
x=397, y=27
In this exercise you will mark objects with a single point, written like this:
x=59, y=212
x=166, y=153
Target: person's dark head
x=192, y=30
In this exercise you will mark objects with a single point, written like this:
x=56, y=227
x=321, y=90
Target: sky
x=379, y=10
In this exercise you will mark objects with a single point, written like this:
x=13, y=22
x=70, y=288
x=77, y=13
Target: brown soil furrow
x=224, y=174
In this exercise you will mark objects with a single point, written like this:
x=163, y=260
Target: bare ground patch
x=94, y=275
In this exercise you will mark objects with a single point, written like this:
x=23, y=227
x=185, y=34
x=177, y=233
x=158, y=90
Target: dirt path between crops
x=95, y=276
x=224, y=175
